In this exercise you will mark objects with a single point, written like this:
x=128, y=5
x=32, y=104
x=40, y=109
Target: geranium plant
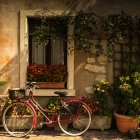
x=47, y=73
x=99, y=98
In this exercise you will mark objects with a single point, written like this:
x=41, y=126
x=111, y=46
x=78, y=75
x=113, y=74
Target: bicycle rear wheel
x=18, y=119
x=75, y=119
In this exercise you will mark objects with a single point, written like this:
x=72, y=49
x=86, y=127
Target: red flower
x=47, y=73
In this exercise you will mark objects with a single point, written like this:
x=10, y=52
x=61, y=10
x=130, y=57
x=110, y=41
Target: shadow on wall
x=10, y=74
x=77, y=5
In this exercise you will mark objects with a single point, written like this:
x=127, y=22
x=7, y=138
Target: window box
x=51, y=85
x=48, y=76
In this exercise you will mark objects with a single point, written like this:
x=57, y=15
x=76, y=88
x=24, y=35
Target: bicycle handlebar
x=30, y=85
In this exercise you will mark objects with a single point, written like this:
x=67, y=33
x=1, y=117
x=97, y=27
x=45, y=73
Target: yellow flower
x=107, y=82
x=103, y=80
x=98, y=89
x=102, y=90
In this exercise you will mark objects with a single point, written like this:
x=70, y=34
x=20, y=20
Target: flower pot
x=125, y=123
x=51, y=85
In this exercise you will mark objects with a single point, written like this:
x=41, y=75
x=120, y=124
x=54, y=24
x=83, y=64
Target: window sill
x=50, y=92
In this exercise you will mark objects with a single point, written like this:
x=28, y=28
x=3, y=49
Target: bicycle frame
x=37, y=107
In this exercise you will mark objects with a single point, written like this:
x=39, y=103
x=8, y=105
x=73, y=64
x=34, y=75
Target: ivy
x=51, y=28
x=84, y=30
x=118, y=29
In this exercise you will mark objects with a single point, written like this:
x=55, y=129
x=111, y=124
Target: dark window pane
x=55, y=52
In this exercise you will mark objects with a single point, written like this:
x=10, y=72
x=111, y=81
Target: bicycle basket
x=16, y=93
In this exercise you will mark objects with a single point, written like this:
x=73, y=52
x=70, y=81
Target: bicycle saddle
x=60, y=93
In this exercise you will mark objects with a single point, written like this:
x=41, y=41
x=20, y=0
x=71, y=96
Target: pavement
x=51, y=134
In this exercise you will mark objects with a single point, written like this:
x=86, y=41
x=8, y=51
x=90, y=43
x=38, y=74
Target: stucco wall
x=9, y=36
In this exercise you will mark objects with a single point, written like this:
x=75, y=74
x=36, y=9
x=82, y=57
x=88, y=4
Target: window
x=54, y=52
x=24, y=53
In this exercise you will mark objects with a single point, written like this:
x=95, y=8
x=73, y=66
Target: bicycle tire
x=77, y=121
x=18, y=119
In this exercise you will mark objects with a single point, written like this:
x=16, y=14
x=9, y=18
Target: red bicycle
x=72, y=115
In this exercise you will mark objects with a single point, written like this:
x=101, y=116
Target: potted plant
x=127, y=97
x=52, y=76
x=52, y=105
x=2, y=83
x=99, y=104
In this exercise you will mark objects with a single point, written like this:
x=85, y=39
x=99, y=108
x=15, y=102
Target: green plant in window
x=51, y=28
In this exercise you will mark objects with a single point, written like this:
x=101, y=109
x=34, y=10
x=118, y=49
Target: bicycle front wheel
x=75, y=118
x=18, y=119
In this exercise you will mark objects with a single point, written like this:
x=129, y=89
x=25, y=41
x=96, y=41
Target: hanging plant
x=87, y=34
x=117, y=27
x=84, y=30
x=51, y=28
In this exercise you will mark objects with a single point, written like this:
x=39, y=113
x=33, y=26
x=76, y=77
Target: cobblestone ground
x=50, y=134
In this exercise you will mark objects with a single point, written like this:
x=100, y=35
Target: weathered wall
x=9, y=36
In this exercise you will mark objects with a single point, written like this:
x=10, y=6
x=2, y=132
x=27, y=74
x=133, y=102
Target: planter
x=125, y=123
x=51, y=85
x=100, y=122
x=13, y=123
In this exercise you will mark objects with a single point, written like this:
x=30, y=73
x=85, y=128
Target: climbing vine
x=118, y=29
x=84, y=30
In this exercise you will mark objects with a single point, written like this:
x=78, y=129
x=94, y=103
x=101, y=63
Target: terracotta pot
x=125, y=123
x=51, y=85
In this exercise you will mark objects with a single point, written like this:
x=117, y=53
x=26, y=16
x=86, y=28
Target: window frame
x=23, y=54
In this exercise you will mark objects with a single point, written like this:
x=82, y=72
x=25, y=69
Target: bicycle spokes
x=78, y=118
